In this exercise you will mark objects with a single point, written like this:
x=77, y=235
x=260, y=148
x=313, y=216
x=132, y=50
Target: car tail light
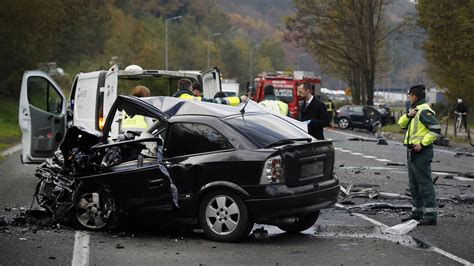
x=272, y=171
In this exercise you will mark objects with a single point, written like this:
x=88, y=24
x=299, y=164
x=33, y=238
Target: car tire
x=299, y=224
x=224, y=217
x=94, y=208
x=344, y=123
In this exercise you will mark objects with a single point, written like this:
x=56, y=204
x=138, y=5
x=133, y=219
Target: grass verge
x=10, y=132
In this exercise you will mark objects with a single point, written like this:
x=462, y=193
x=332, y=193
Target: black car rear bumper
x=284, y=205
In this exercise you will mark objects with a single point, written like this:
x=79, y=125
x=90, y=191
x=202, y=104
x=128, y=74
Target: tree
x=347, y=37
x=449, y=47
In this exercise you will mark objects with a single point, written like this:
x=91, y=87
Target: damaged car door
x=139, y=182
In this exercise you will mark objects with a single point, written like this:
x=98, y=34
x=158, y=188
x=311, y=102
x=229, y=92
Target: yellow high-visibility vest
x=418, y=133
x=135, y=122
x=275, y=106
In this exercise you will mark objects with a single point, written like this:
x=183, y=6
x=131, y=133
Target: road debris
x=401, y=229
x=467, y=154
x=260, y=233
x=395, y=164
x=362, y=139
x=380, y=206
x=119, y=246
x=467, y=198
x=353, y=191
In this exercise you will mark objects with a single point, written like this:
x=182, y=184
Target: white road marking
x=383, y=160
x=389, y=141
x=356, y=153
x=80, y=255
x=369, y=157
x=432, y=248
x=11, y=150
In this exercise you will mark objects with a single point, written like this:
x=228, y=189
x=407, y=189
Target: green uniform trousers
x=420, y=183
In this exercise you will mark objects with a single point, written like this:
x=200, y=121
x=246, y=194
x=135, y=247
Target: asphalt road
x=338, y=237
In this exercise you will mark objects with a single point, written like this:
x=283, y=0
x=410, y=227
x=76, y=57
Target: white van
x=45, y=115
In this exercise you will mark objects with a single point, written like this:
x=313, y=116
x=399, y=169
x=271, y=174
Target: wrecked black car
x=219, y=167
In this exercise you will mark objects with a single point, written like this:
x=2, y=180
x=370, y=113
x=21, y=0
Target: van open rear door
x=42, y=116
x=211, y=82
x=110, y=94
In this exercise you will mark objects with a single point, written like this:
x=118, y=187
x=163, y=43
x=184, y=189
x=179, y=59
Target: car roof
x=175, y=107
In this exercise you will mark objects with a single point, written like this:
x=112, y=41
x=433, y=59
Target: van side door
x=42, y=116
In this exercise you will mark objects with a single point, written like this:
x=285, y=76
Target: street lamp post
x=209, y=44
x=166, y=38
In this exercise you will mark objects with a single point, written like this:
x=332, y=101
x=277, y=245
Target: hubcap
x=343, y=123
x=90, y=213
x=222, y=215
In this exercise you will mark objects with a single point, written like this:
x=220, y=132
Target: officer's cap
x=416, y=89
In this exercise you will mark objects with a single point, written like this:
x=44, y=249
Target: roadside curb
x=11, y=150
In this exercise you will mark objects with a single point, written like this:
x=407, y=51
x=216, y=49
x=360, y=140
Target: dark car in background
x=358, y=116
x=219, y=167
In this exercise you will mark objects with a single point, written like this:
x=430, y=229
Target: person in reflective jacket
x=422, y=129
x=272, y=103
x=136, y=122
x=185, y=92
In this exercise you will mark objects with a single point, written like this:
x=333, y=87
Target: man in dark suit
x=313, y=111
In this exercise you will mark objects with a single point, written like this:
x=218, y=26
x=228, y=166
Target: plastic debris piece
x=401, y=229
x=119, y=246
x=388, y=195
x=382, y=141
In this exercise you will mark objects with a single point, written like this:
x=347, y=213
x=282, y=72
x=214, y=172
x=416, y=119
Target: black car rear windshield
x=264, y=130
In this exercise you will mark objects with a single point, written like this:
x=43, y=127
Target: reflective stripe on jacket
x=275, y=106
x=423, y=129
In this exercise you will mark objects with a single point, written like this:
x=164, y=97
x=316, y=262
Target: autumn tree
x=347, y=38
x=449, y=47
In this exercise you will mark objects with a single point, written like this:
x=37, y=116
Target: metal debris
x=381, y=206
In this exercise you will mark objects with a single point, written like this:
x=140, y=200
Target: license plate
x=311, y=170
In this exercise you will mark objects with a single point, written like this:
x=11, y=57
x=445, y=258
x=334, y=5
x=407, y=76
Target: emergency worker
x=330, y=108
x=422, y=129
x=185, y=92
x=136, y=122
x=197, y=89
x=272, y=103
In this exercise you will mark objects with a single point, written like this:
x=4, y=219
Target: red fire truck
x=285, y=85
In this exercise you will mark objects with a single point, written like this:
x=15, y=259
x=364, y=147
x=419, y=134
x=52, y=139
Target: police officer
x=272, y=103
x=422, y=129
x=185, y=92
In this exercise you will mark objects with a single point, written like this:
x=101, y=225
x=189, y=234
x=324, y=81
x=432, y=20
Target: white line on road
x=383, y=160
x=80, y=255
x=11, y=150
x=392, y=142
x=357, y=153
x=369, y=156
x=383, y=226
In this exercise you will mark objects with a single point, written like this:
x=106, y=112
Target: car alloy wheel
x=95, y=209
x=224, y=216
x=344, y=123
